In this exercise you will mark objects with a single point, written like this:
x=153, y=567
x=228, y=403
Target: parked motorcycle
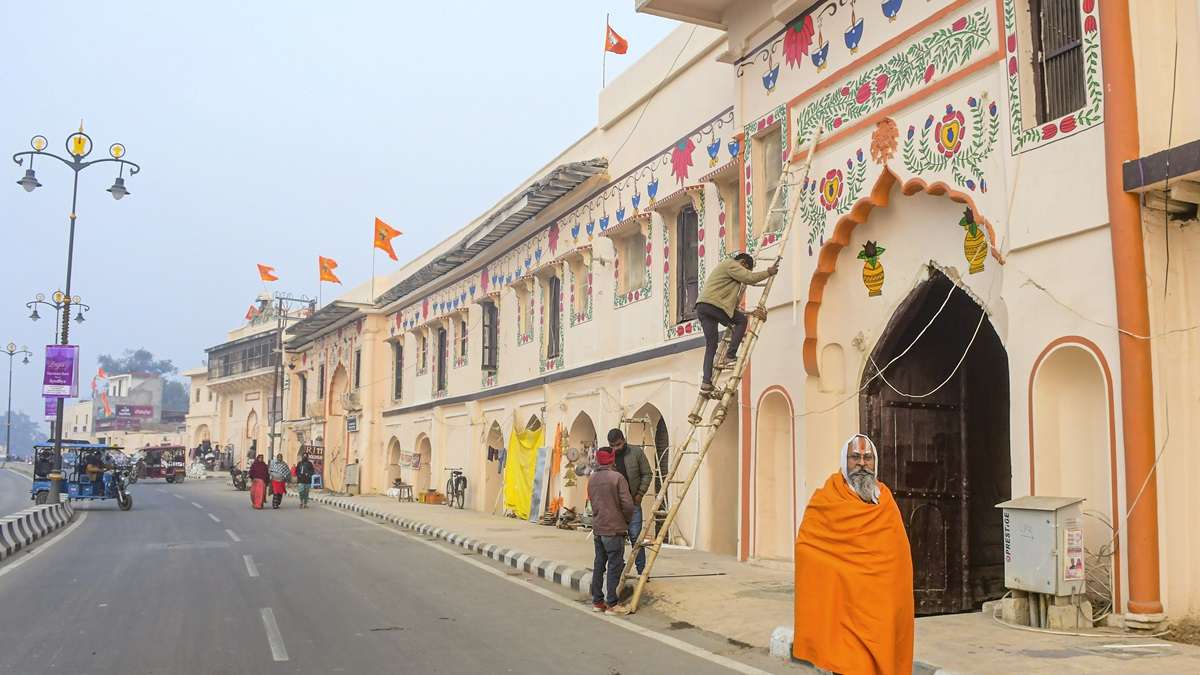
x=240, y=479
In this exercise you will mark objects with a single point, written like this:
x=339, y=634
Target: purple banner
x=51, y=407
x=134, y=410
x=61, y=377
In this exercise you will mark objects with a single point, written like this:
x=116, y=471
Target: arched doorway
x=202, y=435
x=422, y=473
x=393, y=462
x=252, y=449
x=1072, y=438
x=580, y=461
x=335, y=432
x=942, y=433
x=493, y=447
x=774, y=454
x=649, y=429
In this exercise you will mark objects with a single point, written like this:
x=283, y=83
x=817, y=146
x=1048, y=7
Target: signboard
x=144, y=411
x=1073, y=570
x=61, y=376
x=51, y=407
x=352, y=423
x=118, y=424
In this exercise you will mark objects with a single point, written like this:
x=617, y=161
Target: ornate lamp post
x=12, y=351
x=58, y=301
x=79, y=146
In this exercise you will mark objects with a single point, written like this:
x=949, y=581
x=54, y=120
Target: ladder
x=722, y=394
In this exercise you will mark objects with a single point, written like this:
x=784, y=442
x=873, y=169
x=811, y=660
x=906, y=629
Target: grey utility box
x=1043, y=545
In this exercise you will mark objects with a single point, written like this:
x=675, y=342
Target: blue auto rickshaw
x=89, y=471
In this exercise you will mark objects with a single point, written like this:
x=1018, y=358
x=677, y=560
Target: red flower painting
x=1089, y=24
x=1049, y=131
x=681, y=159
x=552, y=236
x=928, y=73
x=863, y=93
x=1067, y=124
x=960, y=24
x=831, y=189
x=796, y=41
x=949, y=132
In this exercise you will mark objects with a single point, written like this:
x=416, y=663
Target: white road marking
x=232, y=535
x=251, y=568
x=177, y=496
x=197, y=505
x=698, y=652
x=29, y=556
x=214, y=518
x=160, y=490
x=278, y=651
x=22, y=475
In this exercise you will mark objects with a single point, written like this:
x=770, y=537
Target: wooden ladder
x=722, y=394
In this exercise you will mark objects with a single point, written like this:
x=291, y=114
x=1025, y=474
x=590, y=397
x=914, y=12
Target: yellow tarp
x=519, y=469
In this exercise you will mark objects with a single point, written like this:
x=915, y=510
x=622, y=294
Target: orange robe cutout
x=854, y=583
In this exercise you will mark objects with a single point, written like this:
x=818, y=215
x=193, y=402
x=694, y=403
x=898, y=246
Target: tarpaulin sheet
x=520, y=468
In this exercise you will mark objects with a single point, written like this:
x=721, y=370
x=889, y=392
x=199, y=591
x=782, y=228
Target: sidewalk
x=745, y=602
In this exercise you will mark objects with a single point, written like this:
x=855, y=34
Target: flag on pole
x=326, y=267
x=384, y=234
x=613, y=42
x=251, y=313
x=267, y=273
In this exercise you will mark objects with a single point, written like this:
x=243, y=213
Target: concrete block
x=1069, y=616
x=781, y=642
x=1015, y=611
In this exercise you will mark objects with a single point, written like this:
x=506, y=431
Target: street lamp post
x=12, y=351
x=283, y=306
x=79, y=146
x=58, y=301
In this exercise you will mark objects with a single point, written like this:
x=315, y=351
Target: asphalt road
x=14, y=492
x=166, y=588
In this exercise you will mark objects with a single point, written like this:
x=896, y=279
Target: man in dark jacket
x=612, y=507
x=631, y=463
x=304, y=474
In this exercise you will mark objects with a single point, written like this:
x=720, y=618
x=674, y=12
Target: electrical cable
x=653, y=93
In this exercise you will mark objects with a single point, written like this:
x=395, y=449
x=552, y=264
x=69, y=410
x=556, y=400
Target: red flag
x=613, y=42
x=251, y=313
x=326, y=267
x=267, y=273
x=384, y=234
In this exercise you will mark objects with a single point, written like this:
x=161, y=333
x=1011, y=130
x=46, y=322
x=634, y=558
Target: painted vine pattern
x=634, y=294
x=752, y=129
x=671, y=328
x=832, y=194
x=950, y=147
x=938, y=53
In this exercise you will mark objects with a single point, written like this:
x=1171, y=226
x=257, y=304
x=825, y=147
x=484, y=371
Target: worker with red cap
x=612, y=509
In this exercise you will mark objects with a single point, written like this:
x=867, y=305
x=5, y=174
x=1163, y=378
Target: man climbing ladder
x=718, y=306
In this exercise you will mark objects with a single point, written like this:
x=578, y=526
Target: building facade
x=962, y=250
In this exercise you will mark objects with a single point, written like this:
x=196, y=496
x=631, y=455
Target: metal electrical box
x=1043, y=545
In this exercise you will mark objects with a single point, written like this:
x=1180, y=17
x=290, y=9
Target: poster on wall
x=1073, y=571
x=135, y=410
x=61, y=377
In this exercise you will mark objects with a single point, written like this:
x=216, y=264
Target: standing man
x=718, y=304
x=854, y=574
x=279, y=476
x=631, y=463
x=304, y=474
x=612, y=507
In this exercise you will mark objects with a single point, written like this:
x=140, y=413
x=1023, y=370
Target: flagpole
x=604, y=58
x=373, y=274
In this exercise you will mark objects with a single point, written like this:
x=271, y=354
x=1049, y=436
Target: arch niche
x=774, y=471
x=580, y=460
x=252, y=449
x=202, y=434
x=944, y=454
x=393, y=462
x=337, y=439
x=493, y=447
x=421, y=476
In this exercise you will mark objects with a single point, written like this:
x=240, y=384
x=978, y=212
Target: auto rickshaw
x=89, y=471
x=163, y=461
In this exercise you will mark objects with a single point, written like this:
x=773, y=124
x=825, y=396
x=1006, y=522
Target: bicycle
x=456, y=488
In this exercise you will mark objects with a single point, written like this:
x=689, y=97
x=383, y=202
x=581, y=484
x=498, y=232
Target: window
x=302, y=382
x=423, y=353
x=321, y=382
x=687, y=264
x=524, y=312
x=357, y=368
x=230, y=408
x=767, y=168
x=554, y=317
x=397, y=370
x=197, y=394
x=210, y=394
x=1058, y=73
x=491, y=336
x=462, y=340
x=441, y=359
x=632, y=252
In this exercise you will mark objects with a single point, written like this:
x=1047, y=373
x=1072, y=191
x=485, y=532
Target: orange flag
x=384, y=234
x=614, y=43
x=267, y=273
x=251, y=313
x=326, y=267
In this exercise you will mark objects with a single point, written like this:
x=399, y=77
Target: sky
x=269, y=132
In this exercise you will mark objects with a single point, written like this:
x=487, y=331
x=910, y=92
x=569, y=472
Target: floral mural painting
x=755, y=128
x=692, y=327
x=1090, y=115
x=834, y=193
x=872, y=269
x=681, y=159
x=949, y=141
x=942, y=51
x=797, y=39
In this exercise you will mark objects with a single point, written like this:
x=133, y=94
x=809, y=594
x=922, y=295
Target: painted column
x=1133, y=314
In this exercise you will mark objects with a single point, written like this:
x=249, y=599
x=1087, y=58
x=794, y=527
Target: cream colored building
x=962, y=251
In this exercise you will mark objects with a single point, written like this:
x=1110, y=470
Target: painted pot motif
x=975, y=246
x=872, y=269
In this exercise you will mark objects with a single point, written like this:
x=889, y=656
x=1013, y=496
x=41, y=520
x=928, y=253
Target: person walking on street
x=259, y=474
x=612, y=508
x=718, y=305
x=630, y=462
x=279, y=477
x=304, y=474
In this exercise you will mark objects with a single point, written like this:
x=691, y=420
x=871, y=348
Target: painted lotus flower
x=681, y=159
x=831, y=189
x=863, y=93
x=949, y=132
x=552, y=238
x=796, y=41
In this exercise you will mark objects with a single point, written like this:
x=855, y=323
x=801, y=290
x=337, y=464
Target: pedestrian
x=612, y=509
x=854, y=574
x=304, y=474
x=279, y=476
x=259, y=474
x=630, y=461
x=718, y=305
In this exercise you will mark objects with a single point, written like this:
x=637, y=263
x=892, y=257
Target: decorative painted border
x=677, y=330
x=756, y=127
x=555, y=363
x=638, y=294
x=960, y=146
x=1068, y=125
x=524, y=338
x=581, y=317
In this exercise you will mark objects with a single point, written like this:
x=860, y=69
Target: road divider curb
x=551, y=570
x=21, y=529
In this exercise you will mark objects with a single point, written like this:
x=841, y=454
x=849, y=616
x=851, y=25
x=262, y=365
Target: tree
x=175, y=396
x=139, y=360
x=25, y=432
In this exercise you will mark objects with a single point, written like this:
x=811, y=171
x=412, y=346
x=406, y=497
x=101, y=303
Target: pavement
x=14, y=489
x=192, y=580
x=744, y=602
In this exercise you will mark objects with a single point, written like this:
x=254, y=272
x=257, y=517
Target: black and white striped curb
x=550, y=570
x=23, y=528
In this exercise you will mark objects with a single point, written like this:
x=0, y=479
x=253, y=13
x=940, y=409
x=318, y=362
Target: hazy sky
x=270, y=132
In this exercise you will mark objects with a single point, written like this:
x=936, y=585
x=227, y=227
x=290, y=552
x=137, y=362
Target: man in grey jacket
x=612, y=507
x=631, y=463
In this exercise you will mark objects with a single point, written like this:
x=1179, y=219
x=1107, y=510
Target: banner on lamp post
x=51, y=407
x=61, y=378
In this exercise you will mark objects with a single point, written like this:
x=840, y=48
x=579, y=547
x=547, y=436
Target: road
x=194, y=581
x=14, y=492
